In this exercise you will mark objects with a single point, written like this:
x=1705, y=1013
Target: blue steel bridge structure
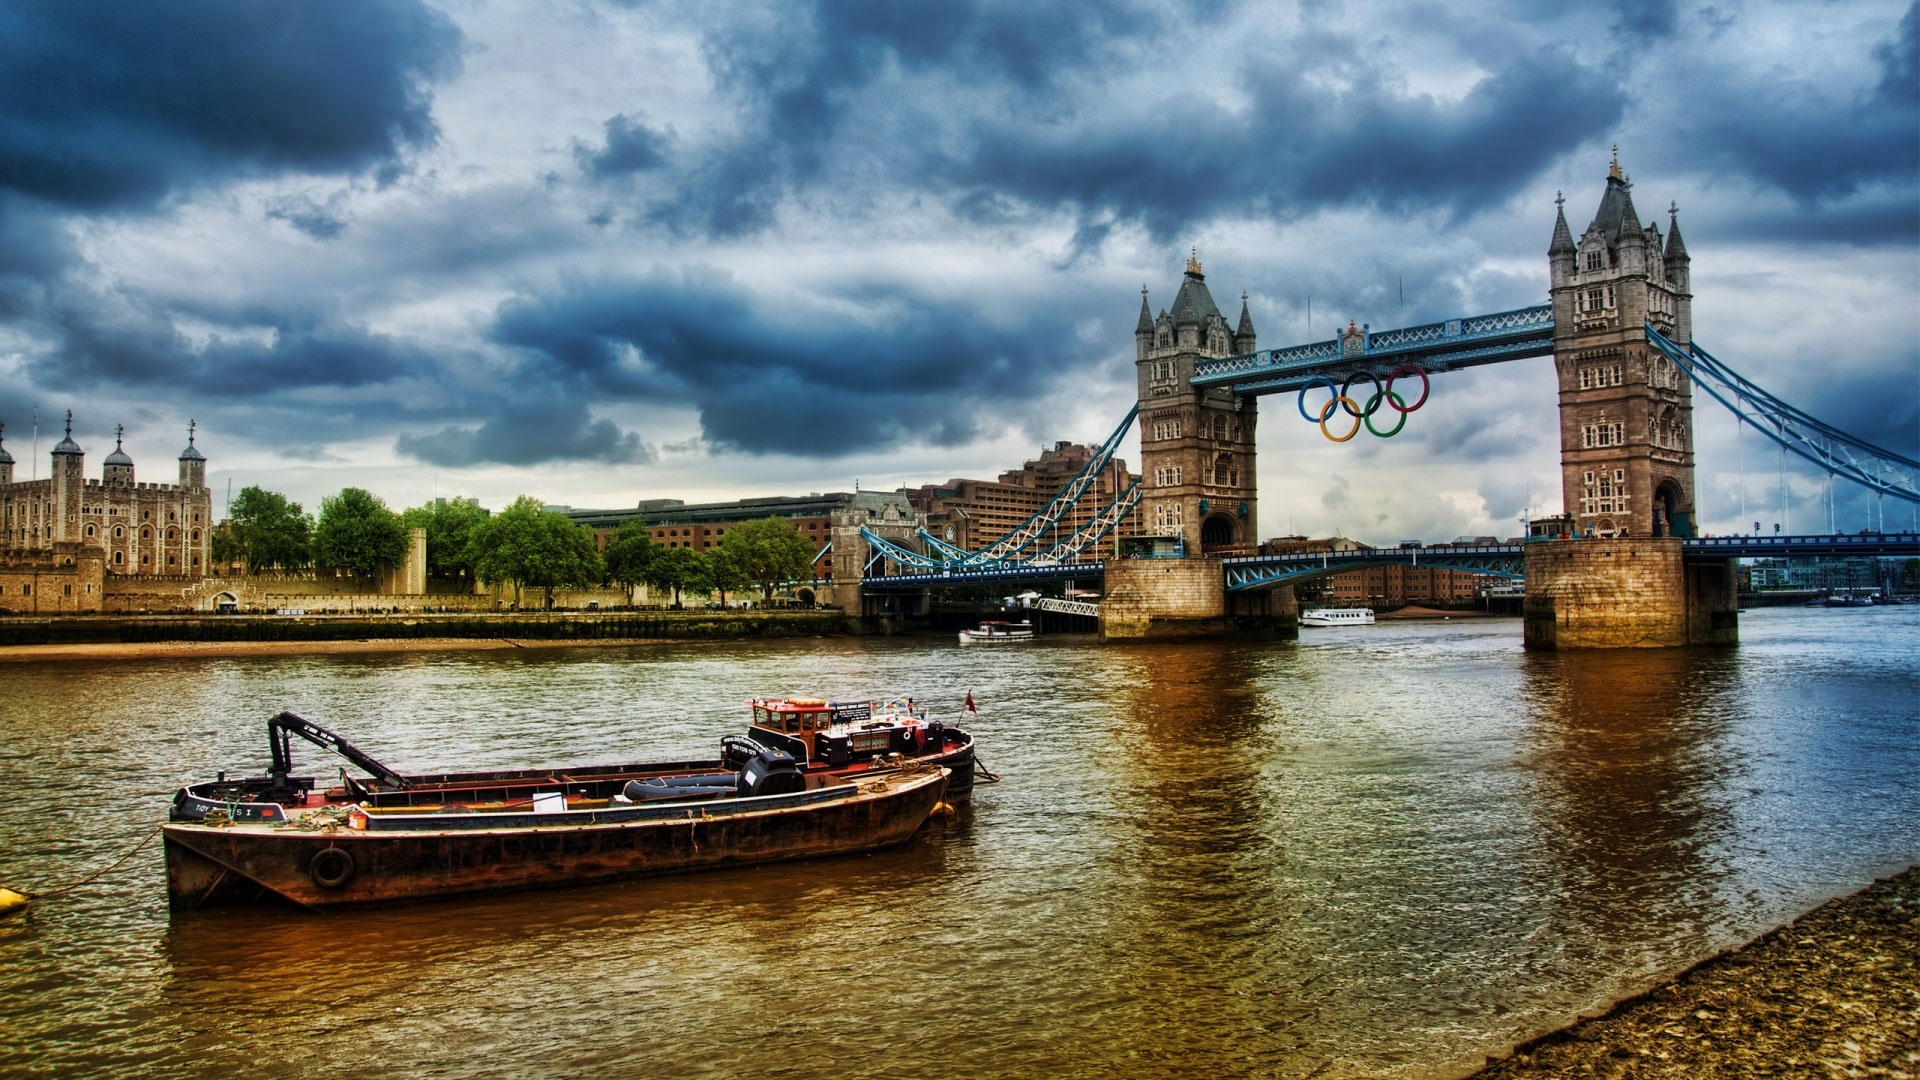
x=1035, y=551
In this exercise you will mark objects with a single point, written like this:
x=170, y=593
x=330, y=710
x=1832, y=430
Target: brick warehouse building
x=973, y=513
x=673, y=523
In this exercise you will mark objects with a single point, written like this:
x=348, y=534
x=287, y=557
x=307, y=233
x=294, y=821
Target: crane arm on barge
x=280, y=732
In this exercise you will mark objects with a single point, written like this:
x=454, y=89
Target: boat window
x=760, y=714
x=820, y=720
x=793, y=722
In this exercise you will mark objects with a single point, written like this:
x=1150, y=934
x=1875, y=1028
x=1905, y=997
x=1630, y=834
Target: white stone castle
x=73, y=545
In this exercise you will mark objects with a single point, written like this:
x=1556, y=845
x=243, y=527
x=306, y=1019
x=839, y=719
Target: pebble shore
x=1834, y=994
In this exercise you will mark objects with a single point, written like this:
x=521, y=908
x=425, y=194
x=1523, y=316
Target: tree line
x=525, y=546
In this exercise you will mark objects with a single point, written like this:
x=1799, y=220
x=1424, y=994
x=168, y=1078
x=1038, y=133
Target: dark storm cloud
x=871, y=368
x=109, y=105
x=1002, y=107
x=630, y=147
x=1300, y=145
x=533, y=431
x=1821, y=146
x=806, y=79
x=134, y=347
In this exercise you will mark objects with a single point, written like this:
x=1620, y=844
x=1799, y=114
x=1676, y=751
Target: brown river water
x=1385, y=851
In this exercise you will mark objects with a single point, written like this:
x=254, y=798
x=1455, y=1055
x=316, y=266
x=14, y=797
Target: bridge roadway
x=1497, y=560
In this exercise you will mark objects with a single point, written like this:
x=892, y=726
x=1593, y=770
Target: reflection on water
x=1385, y=851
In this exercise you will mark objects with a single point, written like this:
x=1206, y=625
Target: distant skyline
x=604, y=251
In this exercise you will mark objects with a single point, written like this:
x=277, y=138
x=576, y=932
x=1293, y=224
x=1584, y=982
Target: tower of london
x=73, y=545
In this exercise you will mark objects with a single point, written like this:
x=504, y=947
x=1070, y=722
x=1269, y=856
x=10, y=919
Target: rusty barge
x=391, y=837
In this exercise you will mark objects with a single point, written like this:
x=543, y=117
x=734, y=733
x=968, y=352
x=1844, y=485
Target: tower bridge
x=1624, y=568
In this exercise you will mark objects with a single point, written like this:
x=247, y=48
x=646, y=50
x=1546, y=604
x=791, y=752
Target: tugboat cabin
x=836, y=734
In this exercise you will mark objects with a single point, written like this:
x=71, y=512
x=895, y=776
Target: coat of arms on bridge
x=1353, y=340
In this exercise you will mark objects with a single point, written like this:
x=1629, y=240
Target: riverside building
x=974, y=513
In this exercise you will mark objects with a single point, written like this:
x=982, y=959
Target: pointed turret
x=1630, y=229
x=1143, y=330
x=1676, y=248
x=1562, y=236
x=6, y=459
x=1243, y=335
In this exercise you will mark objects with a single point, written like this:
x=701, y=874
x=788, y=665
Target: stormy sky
x=602, y=251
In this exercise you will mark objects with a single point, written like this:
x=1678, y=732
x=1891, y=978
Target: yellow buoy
x=12, y=903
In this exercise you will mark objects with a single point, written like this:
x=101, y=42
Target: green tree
x=526, y=545
x=724, y=573
x=225, y=547
x=767, y=552
x=629, y=550
x=358, y=533
x=676, y=568
x=268, y=531
x=449, y=524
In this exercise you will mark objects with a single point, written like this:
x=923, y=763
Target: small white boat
x=997, y=632
x=1336, y=616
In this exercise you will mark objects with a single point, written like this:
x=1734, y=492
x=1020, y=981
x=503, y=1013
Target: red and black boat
x=853, y=736
x=811, y=778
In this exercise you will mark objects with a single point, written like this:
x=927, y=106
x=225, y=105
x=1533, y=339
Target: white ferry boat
x=1336, y=616
x=995, y=632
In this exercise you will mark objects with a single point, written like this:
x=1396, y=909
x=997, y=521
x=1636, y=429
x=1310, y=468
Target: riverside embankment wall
x=664, y=625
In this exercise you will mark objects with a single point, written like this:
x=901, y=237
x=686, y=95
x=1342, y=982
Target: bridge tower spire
x=1626, y=412
x=1196, y=444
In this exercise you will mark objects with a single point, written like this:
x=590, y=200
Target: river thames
x=1384, y=851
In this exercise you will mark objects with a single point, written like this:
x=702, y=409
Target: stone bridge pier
x=1626, y=592
x=1174, y=599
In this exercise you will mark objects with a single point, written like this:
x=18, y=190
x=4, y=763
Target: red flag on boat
x=971, y=707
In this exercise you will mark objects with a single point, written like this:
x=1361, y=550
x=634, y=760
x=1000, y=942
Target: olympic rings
x=1373, y=403
x=1353, y=410
x=1425, y=387
x=1344, y=399
x=1398, y=404
x=1310, y=384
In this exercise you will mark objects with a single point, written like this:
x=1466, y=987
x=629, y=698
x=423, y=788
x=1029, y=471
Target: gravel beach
x=1834, y=994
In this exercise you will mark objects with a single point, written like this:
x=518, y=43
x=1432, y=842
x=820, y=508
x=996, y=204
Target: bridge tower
x=1626, y=450
x=1626, y=411
x=1197, y=469
x=1196, y=443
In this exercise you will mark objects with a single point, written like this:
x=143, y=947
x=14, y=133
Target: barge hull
x=211, y=865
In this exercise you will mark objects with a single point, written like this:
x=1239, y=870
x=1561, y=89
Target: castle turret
x=6, y=459
x=1244, y=339
x=119, y=467
x=193, y=463
x=69, y=481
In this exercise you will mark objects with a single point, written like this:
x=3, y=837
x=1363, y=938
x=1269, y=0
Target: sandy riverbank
x=172, y=649
x=1834, y=994
x=1412, y=611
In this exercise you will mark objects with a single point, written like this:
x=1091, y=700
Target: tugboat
x=850, y=737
